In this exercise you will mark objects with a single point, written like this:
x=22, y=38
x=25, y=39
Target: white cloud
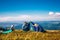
x=54, y=14
x=15, y=18
x=51, y=13
x=57, y=14
x=51, y=16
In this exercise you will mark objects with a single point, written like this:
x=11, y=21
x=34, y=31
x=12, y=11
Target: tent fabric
x=32, y=28
x=29, y=26
x=5, y=32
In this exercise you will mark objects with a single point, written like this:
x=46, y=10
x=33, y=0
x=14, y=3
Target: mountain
x=47, y=25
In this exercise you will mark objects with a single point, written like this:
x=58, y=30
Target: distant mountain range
x=47, y=25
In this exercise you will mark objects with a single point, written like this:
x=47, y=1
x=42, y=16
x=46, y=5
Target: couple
x=26, y=27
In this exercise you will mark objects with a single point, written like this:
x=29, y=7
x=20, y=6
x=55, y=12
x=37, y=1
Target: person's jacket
x=26, y=27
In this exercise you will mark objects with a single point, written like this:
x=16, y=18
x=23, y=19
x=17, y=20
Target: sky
x=18, y=10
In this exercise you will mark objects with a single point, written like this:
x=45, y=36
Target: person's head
x=25, y=22
x=36, y=25
x=12, y=26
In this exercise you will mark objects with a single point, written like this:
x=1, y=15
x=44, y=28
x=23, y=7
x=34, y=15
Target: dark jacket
x=39, y=28
x=26, y=27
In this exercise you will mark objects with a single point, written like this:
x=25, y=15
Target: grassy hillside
x=21, y=35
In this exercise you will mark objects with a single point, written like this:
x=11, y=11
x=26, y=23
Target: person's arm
x=22, y=26
x=32, y=23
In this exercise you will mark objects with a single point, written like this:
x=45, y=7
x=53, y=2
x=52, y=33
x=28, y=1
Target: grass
x=21, y=35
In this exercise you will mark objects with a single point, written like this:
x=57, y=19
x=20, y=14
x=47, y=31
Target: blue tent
x=31, y=27
x=6, y=32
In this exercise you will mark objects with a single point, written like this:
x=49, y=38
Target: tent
x=6, y=32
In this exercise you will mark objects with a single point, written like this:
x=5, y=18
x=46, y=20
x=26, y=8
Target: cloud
x=14, y=18
x=57, y=14
x=19, y=18
x=52, y=16
x=51, y=13
x=27, y=18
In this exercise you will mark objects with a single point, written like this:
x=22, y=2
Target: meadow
x=31, y=35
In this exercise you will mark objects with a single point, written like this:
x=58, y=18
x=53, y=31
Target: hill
x=30, y=35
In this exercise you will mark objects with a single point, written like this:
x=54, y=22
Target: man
x=12, y=27
x=37, y=27
x=26, y=26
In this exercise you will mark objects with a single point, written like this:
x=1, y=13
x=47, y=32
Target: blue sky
x=28, y=7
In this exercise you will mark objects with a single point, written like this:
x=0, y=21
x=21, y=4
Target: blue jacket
x=26, y=27
x=39, y=28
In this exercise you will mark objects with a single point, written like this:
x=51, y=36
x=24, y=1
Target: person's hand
x=30, y=21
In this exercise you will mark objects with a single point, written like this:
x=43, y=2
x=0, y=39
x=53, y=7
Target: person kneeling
x=38, y=28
